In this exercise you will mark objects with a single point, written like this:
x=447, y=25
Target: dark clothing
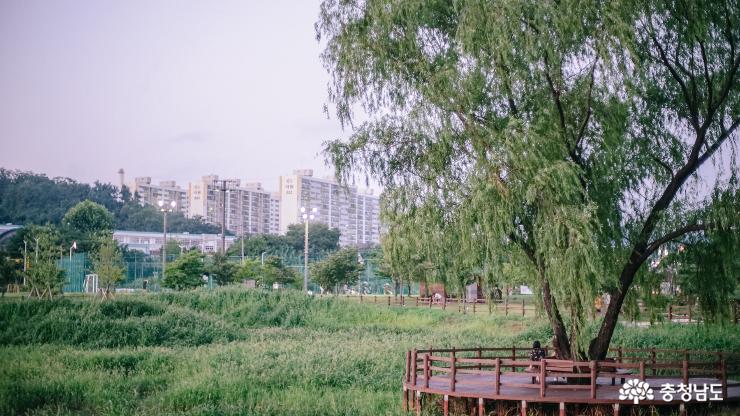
x=536, y=354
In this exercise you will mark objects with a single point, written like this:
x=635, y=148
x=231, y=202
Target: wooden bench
x=558, y=368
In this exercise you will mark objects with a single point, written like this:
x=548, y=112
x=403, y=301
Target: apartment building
x=246, y=208
x=275, y=213
x=166, y=191
x=355, y=214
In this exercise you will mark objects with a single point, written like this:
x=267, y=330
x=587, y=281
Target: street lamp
x=71, y=248
x=306, y=217
x=165, y=209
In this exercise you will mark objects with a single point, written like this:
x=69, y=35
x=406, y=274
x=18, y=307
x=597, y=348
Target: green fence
x=75, y=269
x=140, y=267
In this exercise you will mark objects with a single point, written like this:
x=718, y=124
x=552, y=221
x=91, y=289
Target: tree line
x=31, y=198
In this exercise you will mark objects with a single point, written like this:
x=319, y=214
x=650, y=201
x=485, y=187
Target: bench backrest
x=560, y=366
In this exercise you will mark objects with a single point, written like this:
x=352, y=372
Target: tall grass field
x=242, y=352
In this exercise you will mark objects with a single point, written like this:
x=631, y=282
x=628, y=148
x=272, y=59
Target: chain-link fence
x=140, y=268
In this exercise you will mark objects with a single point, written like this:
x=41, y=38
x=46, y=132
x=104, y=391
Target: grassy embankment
x=245, y=352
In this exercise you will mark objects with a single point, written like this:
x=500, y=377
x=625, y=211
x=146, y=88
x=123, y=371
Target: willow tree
x=566, y=137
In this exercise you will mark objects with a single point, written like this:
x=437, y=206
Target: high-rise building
x=198, y=195
x=275, y=213
x=246, y=211
x=355, y=214
x=165, y=191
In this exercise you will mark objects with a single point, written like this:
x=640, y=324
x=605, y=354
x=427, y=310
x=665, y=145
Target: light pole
x=71, y=248
x=306, y=217
x=224, y=185
x=165, y=209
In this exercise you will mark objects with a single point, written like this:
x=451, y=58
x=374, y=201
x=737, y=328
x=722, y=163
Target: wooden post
x=506, y=307
x=615, y=408
x=375, y=299
x=497, y=376
x=562, y=409
x=453, y=370
x=413, y=368
x=642, y=370
x=417, y=405
x=682, y=409
x=670, y=313
x=522, y=307
x=446, y=405
x=689, y=312
x=593, y=378
x=389, y=301
x=417, y=301
x=723, y=377
x=444, y=303
x=481, y=407
x=480, y=356
x=619, y=354
x=542, y=377
x=427, y=372
x=474, y=306
x=405, y=399
x=685, y=367
x=652, y=360
x=408, y=366
x=524, y=408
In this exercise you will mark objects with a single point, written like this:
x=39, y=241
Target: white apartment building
x=275, y=213
x=355, y=214
x=166, y=191
x=151, y=242
x=247, y=208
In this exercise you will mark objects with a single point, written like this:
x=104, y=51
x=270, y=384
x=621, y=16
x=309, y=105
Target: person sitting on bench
x=536, y=353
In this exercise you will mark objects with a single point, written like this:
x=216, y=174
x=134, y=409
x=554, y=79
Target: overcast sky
x=169, y=89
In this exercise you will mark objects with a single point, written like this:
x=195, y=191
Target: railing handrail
x=448, y=364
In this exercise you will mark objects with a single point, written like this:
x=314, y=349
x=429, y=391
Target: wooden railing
x=474, y=306
x=508, y=307
x=423, y=364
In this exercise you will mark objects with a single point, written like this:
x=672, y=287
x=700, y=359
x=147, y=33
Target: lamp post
x=165, y=208
x=306, y=217
x=71, y=248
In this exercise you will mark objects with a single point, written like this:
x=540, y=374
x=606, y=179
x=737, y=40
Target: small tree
x=250, y=270
x=186, y=272
x=9, y=272
x=274, y=271
x=108, y=264
x=222, y=270
x=44, y=276
x=341, y=267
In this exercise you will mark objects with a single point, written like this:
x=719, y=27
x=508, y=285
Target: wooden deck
x=482, y=374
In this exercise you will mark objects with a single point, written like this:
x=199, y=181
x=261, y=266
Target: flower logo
x=635, y=390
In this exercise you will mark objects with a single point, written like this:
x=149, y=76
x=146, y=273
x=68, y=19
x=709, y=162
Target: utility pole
x=224, y=183
x=306, y=215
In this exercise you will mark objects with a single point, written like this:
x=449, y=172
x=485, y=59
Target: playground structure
x=497, y=376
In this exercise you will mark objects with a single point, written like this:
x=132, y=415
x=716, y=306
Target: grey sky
x=168, y=89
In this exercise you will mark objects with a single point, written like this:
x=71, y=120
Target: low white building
x=151, y=242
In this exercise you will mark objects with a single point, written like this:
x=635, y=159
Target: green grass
x=245, y=352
